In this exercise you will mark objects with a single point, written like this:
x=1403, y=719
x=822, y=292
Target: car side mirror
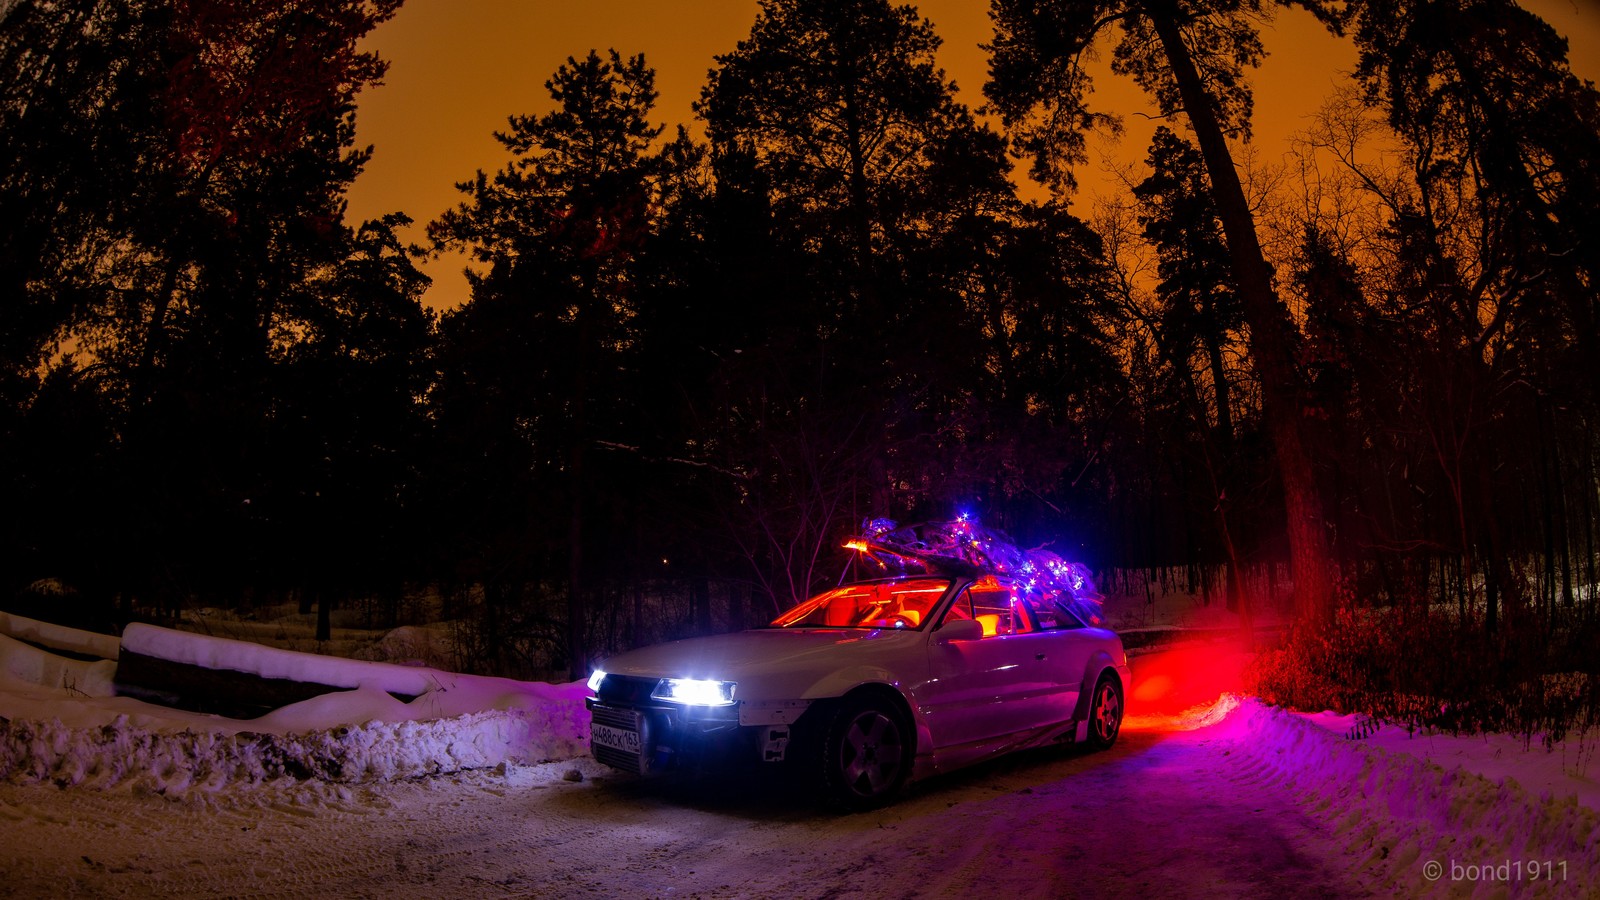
x=960, y=630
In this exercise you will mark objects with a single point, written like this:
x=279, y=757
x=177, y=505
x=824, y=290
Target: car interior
x=883, y=604
x=909, y=603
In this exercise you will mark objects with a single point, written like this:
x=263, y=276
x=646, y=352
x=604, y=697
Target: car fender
x=1099, y=661
x=839, y=683
x=842, y=681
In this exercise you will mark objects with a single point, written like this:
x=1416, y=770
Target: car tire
x=866, y=753
x=1105, y=712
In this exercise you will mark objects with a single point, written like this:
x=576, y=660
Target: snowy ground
x=480, y=788
x=1234, y=800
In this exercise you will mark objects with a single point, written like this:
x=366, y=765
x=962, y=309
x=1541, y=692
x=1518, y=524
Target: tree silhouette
x=939, y=317
x=1200, y=314
x=1190, y=57
x=348, y=425
x=183, y=167
x=558, y=230
x=1490, y=270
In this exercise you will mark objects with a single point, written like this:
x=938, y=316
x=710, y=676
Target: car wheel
x=866, y=753
x=1105, y=712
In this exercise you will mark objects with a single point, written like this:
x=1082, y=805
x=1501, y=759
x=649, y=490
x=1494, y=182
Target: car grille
x=616, y=718
x=626, y=690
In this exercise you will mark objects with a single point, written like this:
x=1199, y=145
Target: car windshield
x=902, y=603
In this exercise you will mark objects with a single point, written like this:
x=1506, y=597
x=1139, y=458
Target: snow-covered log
x=33, y=666
x=224, y=654
x=58, y=637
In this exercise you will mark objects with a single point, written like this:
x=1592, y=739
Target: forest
x=1361, y=382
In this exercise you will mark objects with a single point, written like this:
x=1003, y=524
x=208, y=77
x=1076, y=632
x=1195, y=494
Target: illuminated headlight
x=595, y=679
x=694, y=691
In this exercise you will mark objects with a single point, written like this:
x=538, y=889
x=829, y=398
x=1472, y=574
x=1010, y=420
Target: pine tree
x=558, y=231
x=1191, y=57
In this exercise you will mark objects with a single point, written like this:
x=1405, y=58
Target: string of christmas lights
x=962, y=543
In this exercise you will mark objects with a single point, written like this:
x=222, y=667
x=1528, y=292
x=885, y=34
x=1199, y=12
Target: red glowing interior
x=879, y=604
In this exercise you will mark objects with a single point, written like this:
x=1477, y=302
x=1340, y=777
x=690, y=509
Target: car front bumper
x=652, y=739
x=634, y=732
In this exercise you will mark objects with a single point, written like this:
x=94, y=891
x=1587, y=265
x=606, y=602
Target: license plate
x=616, y=738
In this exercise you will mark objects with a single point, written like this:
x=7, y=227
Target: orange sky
x=458, y=68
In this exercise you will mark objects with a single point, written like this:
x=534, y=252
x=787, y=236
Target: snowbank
x=60, y=721
x=176, y=762
x=171, y=752
x=1568, y=767
x=1397, y=812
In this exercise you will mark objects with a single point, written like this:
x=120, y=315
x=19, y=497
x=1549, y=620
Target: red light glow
x=1167, y=683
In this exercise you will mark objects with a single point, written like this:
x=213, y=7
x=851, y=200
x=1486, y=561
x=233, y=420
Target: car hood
x=769, y=654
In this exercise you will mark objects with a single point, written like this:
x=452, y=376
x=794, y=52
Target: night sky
x=458, y=68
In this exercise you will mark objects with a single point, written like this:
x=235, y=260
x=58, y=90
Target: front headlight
x=595, y=679
x=694, y=691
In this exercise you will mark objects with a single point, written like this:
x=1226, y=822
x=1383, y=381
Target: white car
x=871, y=684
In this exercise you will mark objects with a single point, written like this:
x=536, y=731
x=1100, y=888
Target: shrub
x=1538, y=673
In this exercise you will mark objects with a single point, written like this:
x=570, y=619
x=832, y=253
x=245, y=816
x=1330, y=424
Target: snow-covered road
x=1203, y=796
x=1164, y=813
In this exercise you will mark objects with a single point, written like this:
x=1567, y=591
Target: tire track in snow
x=1161, y=813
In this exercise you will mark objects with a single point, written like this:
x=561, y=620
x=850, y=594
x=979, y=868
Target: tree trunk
x=1270, y=333
x=700, y=604
x=860, y=194
x=577, y=653
x=1219, y=382
x=324, y=614
x=1588, y=484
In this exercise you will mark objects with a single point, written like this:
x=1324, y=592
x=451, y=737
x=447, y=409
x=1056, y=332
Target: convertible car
x=959, y=653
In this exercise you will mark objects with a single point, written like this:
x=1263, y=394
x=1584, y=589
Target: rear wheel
x=866, y=753
x=1105, y=712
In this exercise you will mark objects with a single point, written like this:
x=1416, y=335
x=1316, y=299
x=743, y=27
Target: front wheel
x=1105, y=712
x=866, y=753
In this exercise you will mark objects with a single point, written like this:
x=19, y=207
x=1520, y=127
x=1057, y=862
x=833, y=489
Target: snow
x=1205, y=795
x=63, y=725
x=175, y=762
x=57, y=637
x=1393, y=808
x=1566, y=768
x=34, y=667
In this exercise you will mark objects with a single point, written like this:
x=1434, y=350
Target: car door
x=1065, y=647
x=987, y=689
